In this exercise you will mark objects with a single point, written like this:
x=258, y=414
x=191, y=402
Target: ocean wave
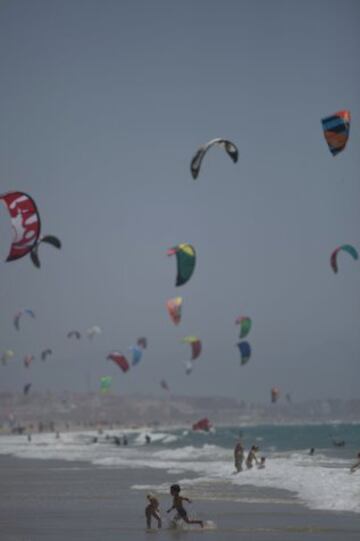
x=322, y=481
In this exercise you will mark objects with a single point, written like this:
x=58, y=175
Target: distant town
x=72, y=410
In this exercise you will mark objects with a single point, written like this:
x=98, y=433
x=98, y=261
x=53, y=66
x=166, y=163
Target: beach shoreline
x=55, y=499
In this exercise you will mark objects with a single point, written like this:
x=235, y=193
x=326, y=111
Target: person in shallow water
x=238, y=456
x=252, y=457
x=152, y=510
x=261, y=464
x=178, y=506
x=356, y=466
x=312, y=451
x=339, y=443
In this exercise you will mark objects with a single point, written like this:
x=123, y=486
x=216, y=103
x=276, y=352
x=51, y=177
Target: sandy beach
x=56, y=500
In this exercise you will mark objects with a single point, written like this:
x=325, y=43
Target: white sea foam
x=318, y=486
x=155, y=437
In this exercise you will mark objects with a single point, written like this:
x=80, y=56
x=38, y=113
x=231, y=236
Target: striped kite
x=26, y=227
x=336, y=131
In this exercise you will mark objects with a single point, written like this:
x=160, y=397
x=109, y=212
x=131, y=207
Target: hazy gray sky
x=102, y=105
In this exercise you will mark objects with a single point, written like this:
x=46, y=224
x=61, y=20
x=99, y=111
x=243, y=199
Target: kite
x=26, y=227
x=230, y=148
x=93, y=331
x=275, y=393
x=6, y=356
x=186, y=259
x=48, y=239
x=164, y=385
x=336, y=131
x=18, y=315
x=45, y=353
x=245, y=325
x=105, y=383
x=28, y=359
x=174, y=308
x=195, y=345
x=245, y=351
x=120, y=360
x=345, y=248
x=137, y=353
x=27, y=388
x=142, y=342
x=75, y=334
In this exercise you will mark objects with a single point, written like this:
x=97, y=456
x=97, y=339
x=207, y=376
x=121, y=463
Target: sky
x=102, y=106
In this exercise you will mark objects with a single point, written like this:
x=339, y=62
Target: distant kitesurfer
x=339, y=443
x=178, y=506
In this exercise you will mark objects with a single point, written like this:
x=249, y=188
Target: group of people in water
x=239, y=457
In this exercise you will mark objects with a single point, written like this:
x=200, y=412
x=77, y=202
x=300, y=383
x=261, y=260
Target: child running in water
x=152, y=510
x=178, y=506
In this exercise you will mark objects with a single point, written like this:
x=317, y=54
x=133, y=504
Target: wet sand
x=58, y=500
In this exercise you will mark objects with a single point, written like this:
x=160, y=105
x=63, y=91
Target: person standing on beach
x=238, y=456
x=152, y=510
x=178, y=506
x=356, y=466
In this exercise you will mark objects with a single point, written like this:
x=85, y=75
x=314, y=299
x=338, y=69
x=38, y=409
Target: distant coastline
x=91, y=409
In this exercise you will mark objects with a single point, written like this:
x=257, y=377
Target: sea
x=204, y=460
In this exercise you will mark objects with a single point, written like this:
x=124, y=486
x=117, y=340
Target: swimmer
x=152, y=510
x=178, y=506
x=261, y=466
x=339, y=443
